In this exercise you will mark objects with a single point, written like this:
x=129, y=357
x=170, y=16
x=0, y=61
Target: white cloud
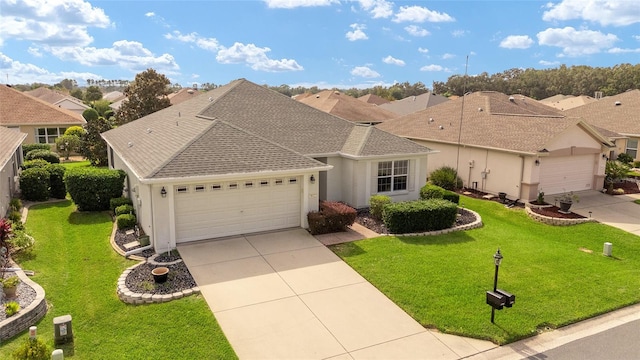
x=423, y=50
x=393, y=61
x=150, y=14
x=292, y=4
x=415, y=30
x=516, y=42
x=576, y=42
x=419, y=14
x=363, y=84
x=34, y=51
x=377, y=8
x=448, y=56
x=459, y=33
x=210, y=44
x=20, y=73
x=54, y=23
x=637, y=37
x=617, y=50
x=357, y=33
x=434, y=67
x=548, y=63
x=256, y=57
x=603, y=12
x=364, y=71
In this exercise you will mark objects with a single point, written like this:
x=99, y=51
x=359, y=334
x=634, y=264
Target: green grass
x=441, y=280
x=637, y=201
x=76, y=164
x=78, y=270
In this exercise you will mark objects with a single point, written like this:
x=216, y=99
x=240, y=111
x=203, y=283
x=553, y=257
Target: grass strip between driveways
x=558, y=274
x=78, y=270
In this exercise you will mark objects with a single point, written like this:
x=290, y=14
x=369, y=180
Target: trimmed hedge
x=57, y=188
x=125, y=209
x=115, y=202
x=332, y=217
x=419, y=216
x=376, y=205
x=93, y=188
x=46, y=155
x=430, y=191
x=446, y=177
x=34, y=184
x=36, y=163
x=28, y=147
x=126, y=221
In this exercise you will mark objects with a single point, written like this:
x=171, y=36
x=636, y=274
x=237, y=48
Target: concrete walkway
x=284, y=295
x=617, y=211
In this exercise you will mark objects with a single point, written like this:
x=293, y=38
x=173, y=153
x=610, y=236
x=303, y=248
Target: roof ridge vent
x=618, y=103
x=512, y=99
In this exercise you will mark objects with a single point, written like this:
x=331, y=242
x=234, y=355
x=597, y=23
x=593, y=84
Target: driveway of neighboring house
x=618, y=211
x=284, y=295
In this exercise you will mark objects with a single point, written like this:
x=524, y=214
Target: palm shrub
x=615, y=171
x=376, y=205
x=446, y=177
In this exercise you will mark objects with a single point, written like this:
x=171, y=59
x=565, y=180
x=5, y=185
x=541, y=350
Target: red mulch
x=552, y=211
x=630, y=187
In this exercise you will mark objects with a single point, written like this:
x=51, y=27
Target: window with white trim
x=393, y=175
x=48, y=135
x=632, y=148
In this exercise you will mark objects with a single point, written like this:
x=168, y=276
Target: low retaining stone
x=26, y=317
x=130, y=297
x=556, y=221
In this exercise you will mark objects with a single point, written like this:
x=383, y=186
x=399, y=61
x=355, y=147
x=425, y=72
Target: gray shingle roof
x=412, y=104
x=270, y=131
x=623, y=118
x=11, y=140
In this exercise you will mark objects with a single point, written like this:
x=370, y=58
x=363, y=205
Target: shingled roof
x=243, y=127
x=45, y=94
x=412, y=104
x=619, y=113
x=21, y=109
x=347, y=107
x=373, y=99
x=11, y=139
x=490, y=120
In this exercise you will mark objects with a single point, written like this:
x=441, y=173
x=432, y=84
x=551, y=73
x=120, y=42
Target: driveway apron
x=284, y=295
x=617, y=211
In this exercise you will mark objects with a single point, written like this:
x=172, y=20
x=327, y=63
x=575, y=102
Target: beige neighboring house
x=184, y=94
x=510, y=144
x=373, y=99
x=412, y=104
x=113, y=96
x=243, y=158
x=618, y=113
x=10, y=161
x=58, y=99
x=41, y=121
x=347, y=107
x=566, y=102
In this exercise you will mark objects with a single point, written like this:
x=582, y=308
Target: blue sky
x=326, y=43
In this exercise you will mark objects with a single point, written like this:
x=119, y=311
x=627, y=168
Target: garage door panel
x=568, y=173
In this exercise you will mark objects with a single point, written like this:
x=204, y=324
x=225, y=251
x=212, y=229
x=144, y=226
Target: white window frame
x=393, y=176
x=632, y=151
x=47, y=137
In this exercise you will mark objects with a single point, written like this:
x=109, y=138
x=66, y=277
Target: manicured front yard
x=558, y=274
x=76, y=266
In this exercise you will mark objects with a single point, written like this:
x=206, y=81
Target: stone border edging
x=476, y=224
x=129, y=297
x=556, y=221
x=28, y=316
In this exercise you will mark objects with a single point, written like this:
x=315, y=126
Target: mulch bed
x=554, y=211
x=365, y=219
x=629, y=187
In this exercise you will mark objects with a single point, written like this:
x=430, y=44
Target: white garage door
x=567, y=173
x=206, y=211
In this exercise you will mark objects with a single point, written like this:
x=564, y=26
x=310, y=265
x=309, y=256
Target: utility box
x=62, y=329
x=497, y=301
x=510, y=299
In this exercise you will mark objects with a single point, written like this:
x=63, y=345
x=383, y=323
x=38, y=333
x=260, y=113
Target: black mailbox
x=510, y=298
x=497, y=301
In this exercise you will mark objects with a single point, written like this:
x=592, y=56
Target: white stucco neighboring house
x=512, y=144
x=10, y=161
x=242, y=159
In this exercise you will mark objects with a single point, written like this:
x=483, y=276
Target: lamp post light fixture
x=497, y=259
x=498, y=298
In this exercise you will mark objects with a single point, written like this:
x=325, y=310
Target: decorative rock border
x=556, y=221
x=476, y=224
x=28, y=316
x=130, y=297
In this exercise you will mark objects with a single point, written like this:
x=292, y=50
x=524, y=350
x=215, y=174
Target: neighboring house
x=183, y=95
x=510, y=144
x=412, y=104
x=10, y=161
x=41, y=121
x=373, y=99
x=58, y=99
x=618, y=113
x=116, y=104
x=113, y=96
x=242, y=159
x=347, y=107
x=566, y=102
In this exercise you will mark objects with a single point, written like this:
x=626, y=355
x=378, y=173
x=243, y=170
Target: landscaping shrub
x=11, y=308
x=376, y=205
x=419, y=216
x=126, y=221
x=21, y=240
x=34, y=184
x=625, y=158
x=431, y=191
x=57, y=188
x=93, y=188
x=332, y=217
x=446, y=177
x=90, y=114
x=125, y=209
x=15, y=204
x=452, y=196
x=636, y=164
x=47, y=155
x=115, y=202
x=32, y=349
x=34, y=163
x=26, y=148
x=15, y=216
x=75, y=130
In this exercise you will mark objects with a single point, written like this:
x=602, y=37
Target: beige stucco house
x=10, y=161
x=512, y=144
x=618, y=113
x=41, y=121
x=58, y=99
x=242, y=159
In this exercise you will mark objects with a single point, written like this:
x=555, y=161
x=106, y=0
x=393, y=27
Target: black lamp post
x=497, y=259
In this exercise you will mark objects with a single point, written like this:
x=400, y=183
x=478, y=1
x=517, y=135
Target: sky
x=325, y=43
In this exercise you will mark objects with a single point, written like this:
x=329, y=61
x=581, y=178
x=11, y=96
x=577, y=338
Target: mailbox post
x=497, y=259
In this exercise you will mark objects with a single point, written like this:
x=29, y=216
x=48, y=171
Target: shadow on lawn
x=457, y=237
x=89, y=217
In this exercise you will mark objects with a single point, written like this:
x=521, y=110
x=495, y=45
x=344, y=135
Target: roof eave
x=232, y=176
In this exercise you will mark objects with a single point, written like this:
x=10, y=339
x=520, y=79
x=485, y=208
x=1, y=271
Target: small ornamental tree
x=92, y=146
x=67, y=144
x=75, y=130
x=90, y=114
x=145, y=95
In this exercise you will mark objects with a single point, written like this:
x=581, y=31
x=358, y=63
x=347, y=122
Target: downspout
x=521, y=177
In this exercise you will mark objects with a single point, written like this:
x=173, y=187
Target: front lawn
x=78, y=270
x=558, y=274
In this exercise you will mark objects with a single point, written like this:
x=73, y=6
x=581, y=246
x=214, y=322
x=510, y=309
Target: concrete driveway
x=284, y=295
x=618, y=211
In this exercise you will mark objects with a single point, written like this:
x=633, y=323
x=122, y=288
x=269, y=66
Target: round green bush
x=376, y=205
x=430, y=191
x=75, y=130
x=34, y=163
x=125, y=209
x=446, y=177
x=625, y=158
x=28, y=147
x=126, y=221
x=34, y=184
x=46, y=155
x=115, y=202
x=32, y=349
x=90, y=115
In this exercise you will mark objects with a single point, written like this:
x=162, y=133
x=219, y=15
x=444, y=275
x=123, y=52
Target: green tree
x=147, y=94
x=67, y=144
x=75, y=130
x=92, y=146
x=93, y=93
x=77, y=93
x=90, y=114
x=102, y=107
